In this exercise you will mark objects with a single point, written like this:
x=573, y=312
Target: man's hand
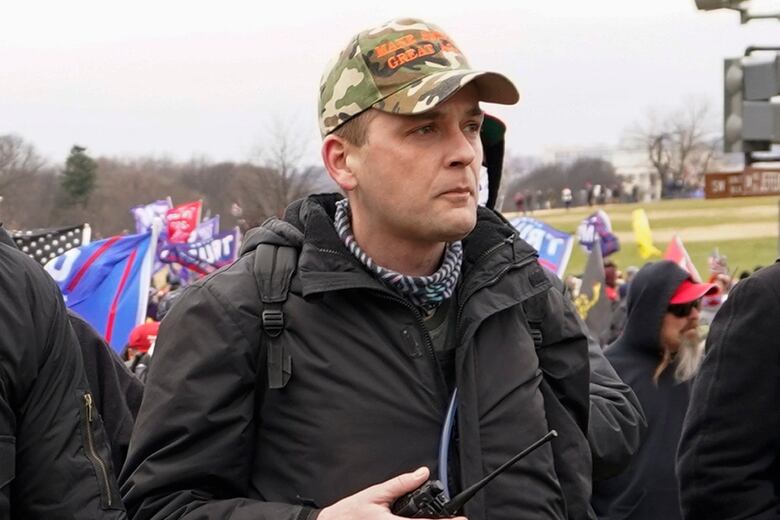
x=374, y=503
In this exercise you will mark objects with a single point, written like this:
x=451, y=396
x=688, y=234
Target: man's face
x=417, y=176
x=675, y=329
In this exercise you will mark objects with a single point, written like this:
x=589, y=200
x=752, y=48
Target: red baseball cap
x=689, y=291
x=142, y=337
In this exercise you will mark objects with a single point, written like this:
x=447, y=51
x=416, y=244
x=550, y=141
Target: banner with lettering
x=206, y=256
x=554, y=246
x=145, y=214
x=182, y=221
x=205, y=230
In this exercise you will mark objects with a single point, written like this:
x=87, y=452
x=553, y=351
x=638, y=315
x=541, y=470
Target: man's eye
x=424, y=130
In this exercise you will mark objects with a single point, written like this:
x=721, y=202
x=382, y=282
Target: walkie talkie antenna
x=454, y=505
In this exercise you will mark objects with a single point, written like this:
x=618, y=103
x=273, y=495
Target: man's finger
x=388, y=491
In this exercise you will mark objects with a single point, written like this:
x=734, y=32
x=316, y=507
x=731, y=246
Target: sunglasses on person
x=681, y=310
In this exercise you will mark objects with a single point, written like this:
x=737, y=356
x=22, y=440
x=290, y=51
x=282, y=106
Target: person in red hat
x=657, y=354
x=142, y=338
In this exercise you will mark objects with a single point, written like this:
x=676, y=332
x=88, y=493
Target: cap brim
x=689, y=291
x=426, y=93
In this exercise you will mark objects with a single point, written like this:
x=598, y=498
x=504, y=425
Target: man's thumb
x=387, y=492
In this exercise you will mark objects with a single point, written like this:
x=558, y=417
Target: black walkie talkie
x=429, y=501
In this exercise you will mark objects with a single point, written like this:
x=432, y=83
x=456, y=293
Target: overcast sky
x=190, y=78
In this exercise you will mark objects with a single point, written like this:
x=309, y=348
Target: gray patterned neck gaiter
x=425, y=292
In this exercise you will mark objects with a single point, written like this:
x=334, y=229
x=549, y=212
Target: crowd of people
x=364, y=344
x=527, y=200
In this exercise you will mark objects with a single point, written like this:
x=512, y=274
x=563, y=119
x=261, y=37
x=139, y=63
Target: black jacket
x=54, y=459
x=366, y=399
x=116, y=391
x=647, y=489
x=729, y=455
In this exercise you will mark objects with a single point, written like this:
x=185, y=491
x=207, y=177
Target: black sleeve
x=116, y=391
x=617, y=422
x=563, y=359
x=727, y=460
x=193, y=442
x=563, y=356
x=62, y=462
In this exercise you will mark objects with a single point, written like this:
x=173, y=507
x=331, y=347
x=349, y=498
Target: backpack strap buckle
x=273, y=322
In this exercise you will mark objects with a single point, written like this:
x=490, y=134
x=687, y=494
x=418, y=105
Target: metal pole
x=757, y=48
x=745, y=17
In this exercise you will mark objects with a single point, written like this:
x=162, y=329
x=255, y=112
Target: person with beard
x=656, y=355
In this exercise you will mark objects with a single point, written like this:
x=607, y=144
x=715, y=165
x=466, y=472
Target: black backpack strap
x=535, y=306
x=534, y=313
x=274, y=268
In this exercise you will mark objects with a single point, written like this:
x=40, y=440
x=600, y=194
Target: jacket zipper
x=522, y=263
x=92, y=453
x=441, y=383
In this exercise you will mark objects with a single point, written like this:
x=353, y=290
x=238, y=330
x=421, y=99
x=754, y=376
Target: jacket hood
x=648, y=298
x=5, y=238
x=287, y=231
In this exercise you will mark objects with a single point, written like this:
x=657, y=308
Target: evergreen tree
x=78, y=179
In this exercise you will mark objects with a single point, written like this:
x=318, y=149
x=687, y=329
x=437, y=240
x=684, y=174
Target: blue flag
x=107, y=283
x=554, y=246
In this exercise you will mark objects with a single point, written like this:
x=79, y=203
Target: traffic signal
x=710, y=5
x=751, y=119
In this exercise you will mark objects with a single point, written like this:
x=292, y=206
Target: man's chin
x=457, y=230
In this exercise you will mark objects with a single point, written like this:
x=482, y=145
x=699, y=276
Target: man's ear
x=336, y=158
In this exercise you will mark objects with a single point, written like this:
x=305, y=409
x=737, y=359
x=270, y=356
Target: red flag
x=677, y=253
x=182, y=220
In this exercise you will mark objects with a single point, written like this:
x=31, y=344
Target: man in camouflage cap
x=411, y=329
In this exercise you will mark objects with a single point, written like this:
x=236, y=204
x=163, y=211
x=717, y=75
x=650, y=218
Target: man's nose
x=462, y=149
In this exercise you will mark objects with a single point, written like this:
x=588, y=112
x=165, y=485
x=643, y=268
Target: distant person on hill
x=566, y=197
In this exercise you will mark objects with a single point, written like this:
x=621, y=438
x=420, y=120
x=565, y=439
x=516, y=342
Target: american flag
x=45, y=244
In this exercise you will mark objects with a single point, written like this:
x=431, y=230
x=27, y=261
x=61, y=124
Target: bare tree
x=515, y=168
x=280, y=176
x=18, y=160
x=680, y=145
x=21, y=176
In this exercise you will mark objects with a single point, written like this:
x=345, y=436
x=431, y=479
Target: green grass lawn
x=679, y=215
x=743, y=255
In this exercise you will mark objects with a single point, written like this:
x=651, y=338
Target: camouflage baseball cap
x=404, y=66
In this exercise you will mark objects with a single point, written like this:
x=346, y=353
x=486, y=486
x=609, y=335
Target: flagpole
x=86, y=235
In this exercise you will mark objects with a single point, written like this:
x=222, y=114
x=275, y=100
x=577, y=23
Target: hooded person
x=728, y=461
x=55, y=460
x=656, y=355
x=116, y=393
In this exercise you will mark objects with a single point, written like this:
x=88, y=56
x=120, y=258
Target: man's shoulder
x=235, y=281
x=760, y=287
x=768, y=276
x=21, y=276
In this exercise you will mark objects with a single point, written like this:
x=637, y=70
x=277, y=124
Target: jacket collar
x=325, y=264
